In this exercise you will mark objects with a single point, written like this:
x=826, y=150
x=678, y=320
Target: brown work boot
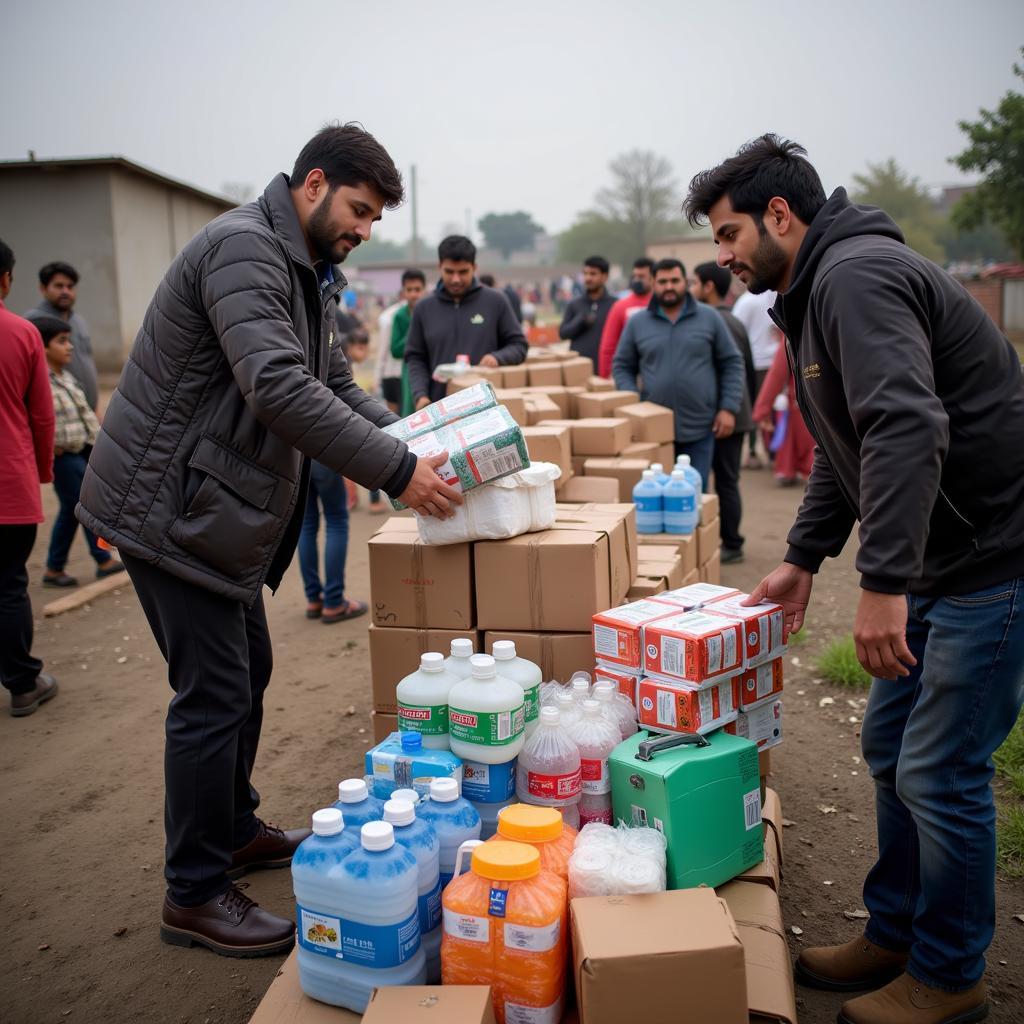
x=909, y=1001
x=855, y=965
x=272, y=848
x=23, y=704
x=230, y=924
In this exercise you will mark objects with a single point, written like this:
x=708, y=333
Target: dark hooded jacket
x=916, y=402
x=235, y=381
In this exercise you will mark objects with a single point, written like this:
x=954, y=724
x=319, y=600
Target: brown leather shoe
x=909, y=1001
x=23, y=704
x=230, y=924
x=855, y=965
x=272, y=848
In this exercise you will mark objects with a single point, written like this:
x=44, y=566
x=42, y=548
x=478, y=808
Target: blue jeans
x=328, y=489
x=928, y=740
x=701, y=453
x=68, y=471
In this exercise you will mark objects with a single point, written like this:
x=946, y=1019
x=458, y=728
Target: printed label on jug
x=319, y=932
x=752, y=808
x=496, y=900
x=466, y=926
x=594, y=776
x=554, y=787
x=376, y=946
x=488, y=783
x=531, y=703
x=516, y=1013
x=428, y=719
x=488, y=728
x=534, y=940
x=430, y=909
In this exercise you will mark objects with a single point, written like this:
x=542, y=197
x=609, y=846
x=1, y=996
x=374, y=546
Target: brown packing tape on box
x=684, y=543
x=576, y=371
x=627, y=471
x=550, y=444
x=430, y=1004
x=711, y=570
x=600, y=384
x=650, y=422
x=708, y=540
x=604, y=403
x=395, y=653
x=559, y=655
x=660, y=958
x=769, y=975
x=419, y=585
x=515, y=403
x=587, y=488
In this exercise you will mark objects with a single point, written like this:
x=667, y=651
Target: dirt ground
x=81, y=885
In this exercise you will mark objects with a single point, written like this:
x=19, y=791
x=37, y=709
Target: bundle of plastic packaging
x=609, y=861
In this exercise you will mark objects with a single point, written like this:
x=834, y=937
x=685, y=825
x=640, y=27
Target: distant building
x=118, y=223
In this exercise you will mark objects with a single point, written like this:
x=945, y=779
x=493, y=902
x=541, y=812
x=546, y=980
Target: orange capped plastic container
x=504, y=926
x=543, y=829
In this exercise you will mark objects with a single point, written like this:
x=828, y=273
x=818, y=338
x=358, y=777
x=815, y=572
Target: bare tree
x=641, y=196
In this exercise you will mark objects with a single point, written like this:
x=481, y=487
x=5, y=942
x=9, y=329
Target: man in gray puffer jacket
x=199, y=477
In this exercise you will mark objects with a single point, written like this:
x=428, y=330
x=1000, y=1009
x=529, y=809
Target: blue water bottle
x=454, y=819
x=647, y=497
x=692, y=475
x=680, y=504
x=355, y=802
x=659, y=473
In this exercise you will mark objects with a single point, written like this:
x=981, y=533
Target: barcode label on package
x=639, y=815
x=503, y=722
x=752, y=809
x=536, y=940
x=489, y=463
x=667, y=708
x=606, y=641
x=516, y=1013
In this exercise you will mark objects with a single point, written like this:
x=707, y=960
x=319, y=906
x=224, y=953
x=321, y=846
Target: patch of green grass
x=1010, y=838
x=838, y=664
x=1009, y=760
x=796, y=639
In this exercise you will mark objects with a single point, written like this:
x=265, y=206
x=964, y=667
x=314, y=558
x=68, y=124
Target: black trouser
x=18, y=669
x=725, y=464
x=219, y=662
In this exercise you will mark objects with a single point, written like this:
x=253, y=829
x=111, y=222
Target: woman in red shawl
x=777, y=414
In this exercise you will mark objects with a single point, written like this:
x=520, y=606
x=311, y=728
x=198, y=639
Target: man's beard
x=767, y=265
x=322, y=234
x=673, y=302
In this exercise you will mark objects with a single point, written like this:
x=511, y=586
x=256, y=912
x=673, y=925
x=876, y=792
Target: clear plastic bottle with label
x=528, y=675
x=458, y=662
x=548, y=774
x=568, y=708
x=647, y=498
x=452, y=817
x=356, y=803
x=692, y=475
x=420, y=839
x=579, y=686
x=619, y=711
x=486, y=715
x=680, y=498
x=360, y=924
x=596, y=737
x=423, y=701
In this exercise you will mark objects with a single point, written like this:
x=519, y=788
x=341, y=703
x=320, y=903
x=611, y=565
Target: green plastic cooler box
x=702, y=792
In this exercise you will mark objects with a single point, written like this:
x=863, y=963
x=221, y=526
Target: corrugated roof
x=69, y=163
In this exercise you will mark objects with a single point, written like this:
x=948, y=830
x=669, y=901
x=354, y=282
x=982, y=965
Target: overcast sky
x=505, y=106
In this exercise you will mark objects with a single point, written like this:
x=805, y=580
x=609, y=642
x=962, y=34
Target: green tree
x=593, y=234
x=886, y=186
x=996, y=150
x=641, y=197
x=378, y=250
x=509, y=232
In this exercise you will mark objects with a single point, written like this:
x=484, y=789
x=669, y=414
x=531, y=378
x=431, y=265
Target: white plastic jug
x=680, y=504
x=596, y=738
x=356, y=803
x=528, y=675
x=649, y=504
x=453, y=818
x=458, y=663
x=692, y=475
x=568, y=708
x=548, y=773
x=423, y=701
x=486, y=715
x=622, y=712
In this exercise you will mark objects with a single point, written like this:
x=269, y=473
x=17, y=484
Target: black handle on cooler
x=648, y=748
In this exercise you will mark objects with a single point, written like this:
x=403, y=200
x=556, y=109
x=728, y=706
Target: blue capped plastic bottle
x=692, y=475
x=355, y=802
x=680, y=504
x=648, y=500
x=420, y=839
x=454, y=819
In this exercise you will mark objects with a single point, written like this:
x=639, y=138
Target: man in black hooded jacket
x=917, y=405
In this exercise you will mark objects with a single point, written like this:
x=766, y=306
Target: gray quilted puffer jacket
x=232, y=385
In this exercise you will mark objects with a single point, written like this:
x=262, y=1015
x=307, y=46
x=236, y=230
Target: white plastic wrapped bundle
x=521, y=503
x=549, y=691
x=633, y=874
x=596, y=835
x=645, y=842
x=591, y=872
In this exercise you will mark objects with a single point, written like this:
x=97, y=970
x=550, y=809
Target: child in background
x=414, y=283
x=791, y=441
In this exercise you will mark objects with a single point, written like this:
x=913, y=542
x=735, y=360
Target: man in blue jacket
x=687, y=360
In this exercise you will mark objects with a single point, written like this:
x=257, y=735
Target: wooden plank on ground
x=87, y=593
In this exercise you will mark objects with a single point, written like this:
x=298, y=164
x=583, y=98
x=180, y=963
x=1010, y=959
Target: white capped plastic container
x=621, y=712
x=647, y=497
x=458, y=663
x=596, y=737
x=357, y=804
x=528, y=675
x=692, y=475
x=548, y=772
x=579, y=686
x=681, y=508
x=423, y=701
x=486, y=715
x=568, y=707
x=453, y=818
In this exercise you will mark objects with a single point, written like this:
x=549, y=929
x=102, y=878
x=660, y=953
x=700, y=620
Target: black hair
x=6, y=258
x=412, y=274
x=720, y=277
x=643, y=261
x=765, y=167
x=487, y=279
x=669, y=263
x=349, y=155
x=51, y=270
x=456, y=248
x=598, y=263
x=50, y=326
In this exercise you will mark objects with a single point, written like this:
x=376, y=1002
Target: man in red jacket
x=641, y=285
x=26, y=460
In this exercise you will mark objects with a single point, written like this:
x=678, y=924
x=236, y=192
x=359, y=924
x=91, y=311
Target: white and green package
x=481, y=448
x=456, y=406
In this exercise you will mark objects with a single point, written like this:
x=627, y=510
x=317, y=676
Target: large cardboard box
x=419, y=585
x=646, y=450
x=693, y=647
x=711, y=570
x=670, y=572
x=650, y=554
x=383, y=725
x=647, y=584
x=666, y=455
x=575, y=393
x=708, y=541
x=540, y=407
x=693, y=576
x=769, y=871
x=577, y=371
x=587, y=488
x=769, y=976
x=430, y=1004
x=514, y=403
x=620, y=520
x=544, y=374
x=709, y=508
x=578, y=464
x=603, y=437
x=559, y=655
x=596, y=383
x=668, y=707
x=626, y=471
x=685, y=544
x=550, y=444
x=395, y=653
x=604, y=403
x=514, y=376
x=285, y=1002
x=557, y=393
x=662, y=958
x=650, y=422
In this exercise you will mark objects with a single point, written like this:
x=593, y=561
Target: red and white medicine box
x=760, y=683
x=761, y=725
x=618, y=632
x=625, y=681
x=695, y=595
x=762, y=627
x=668, y=707
x=693, y=647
